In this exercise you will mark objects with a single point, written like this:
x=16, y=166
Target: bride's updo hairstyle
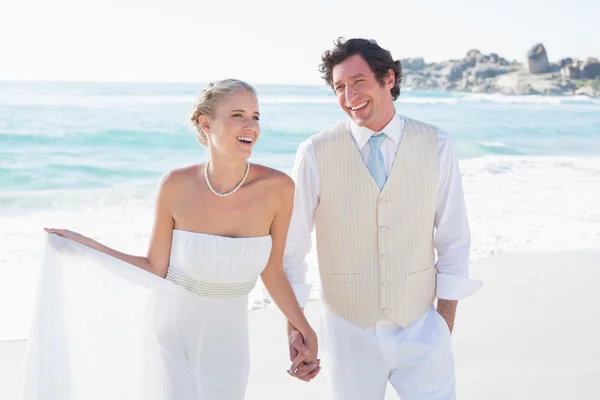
x=211, y=97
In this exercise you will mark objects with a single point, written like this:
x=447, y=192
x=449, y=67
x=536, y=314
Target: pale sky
x=270, y=41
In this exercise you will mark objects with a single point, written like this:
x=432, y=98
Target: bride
x=175, y=327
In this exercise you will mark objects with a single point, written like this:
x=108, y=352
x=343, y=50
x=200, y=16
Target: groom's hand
x=298, y=350
x=447, y=309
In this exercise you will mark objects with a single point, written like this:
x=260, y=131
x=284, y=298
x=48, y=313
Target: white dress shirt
x=452, y=240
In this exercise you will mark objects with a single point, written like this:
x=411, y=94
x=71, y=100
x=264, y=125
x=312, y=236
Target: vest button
x=384, y=256
x=382, y=200
x=385, y=284
x=385, y=311
x=383, y=228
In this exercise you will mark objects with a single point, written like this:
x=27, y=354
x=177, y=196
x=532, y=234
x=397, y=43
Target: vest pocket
x=418, y=275
x=351, y=277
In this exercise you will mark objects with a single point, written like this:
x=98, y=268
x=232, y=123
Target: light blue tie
x=375, y=163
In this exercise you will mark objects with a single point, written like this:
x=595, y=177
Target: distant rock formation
x=490, y=73
x=537, y=59
x=590, y=69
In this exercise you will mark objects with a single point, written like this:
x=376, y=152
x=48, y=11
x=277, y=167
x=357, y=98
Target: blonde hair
x=211, y=97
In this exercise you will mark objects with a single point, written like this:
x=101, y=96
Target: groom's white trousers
x=417, y=360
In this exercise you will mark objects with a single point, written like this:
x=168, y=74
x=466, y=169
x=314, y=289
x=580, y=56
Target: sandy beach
x=529, y=334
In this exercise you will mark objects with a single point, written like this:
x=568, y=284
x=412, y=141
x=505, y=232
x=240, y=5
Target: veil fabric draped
x=102, y=329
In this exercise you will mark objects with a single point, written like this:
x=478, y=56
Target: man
x=384, y=193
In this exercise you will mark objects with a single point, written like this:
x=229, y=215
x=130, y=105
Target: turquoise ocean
x=87, y=156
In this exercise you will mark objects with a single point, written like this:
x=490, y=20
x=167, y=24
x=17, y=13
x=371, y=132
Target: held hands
x=303, y=354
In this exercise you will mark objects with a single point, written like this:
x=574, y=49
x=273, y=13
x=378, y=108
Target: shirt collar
x=393, y=130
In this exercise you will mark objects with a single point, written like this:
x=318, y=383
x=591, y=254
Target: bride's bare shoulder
x=276, y=185
x=178, y=178
x=273, y=177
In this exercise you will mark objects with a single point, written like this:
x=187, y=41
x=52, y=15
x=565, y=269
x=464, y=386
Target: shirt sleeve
x=452, y=239
x=305, y=174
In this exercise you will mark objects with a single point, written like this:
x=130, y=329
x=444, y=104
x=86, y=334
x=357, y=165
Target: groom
x=384, y=194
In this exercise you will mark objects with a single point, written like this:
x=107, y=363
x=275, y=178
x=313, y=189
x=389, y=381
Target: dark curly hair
x=380, y=60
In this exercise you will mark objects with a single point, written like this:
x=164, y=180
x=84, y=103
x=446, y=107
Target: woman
x=129, y=333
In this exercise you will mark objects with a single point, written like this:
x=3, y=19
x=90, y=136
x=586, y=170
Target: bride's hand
x=74, y=236
x=312, y=343
x=306, y=367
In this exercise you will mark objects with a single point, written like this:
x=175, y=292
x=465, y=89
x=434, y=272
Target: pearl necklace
x=232, y=190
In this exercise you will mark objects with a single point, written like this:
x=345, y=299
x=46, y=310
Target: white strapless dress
x=104, y=329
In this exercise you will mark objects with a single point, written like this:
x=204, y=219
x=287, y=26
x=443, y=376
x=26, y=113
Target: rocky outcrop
x=590, y=69
x=477, y=72
x=570, y=72
x=523, y=83
x=467, y=74
x=576, y=69
x=591, y=91
x=537, y=60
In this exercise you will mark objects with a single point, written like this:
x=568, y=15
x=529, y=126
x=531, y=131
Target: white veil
x=100, y=328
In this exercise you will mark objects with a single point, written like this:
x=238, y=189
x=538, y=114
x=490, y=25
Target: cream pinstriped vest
x=375, y=248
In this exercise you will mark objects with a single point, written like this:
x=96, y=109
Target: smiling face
x=361, y=95
x=233, y=129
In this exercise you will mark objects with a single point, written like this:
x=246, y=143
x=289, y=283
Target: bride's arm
x=274, y=277
x=156, y=260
